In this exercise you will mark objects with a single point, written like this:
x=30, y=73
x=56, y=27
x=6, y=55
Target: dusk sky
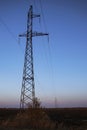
x=60, y=64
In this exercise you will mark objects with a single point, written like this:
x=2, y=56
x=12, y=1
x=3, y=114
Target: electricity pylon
x=28, y=87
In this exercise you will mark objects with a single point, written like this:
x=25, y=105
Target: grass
x=44, y=119
x=2, y=128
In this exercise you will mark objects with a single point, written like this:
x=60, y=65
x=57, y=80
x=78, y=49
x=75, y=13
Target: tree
x=37, y=103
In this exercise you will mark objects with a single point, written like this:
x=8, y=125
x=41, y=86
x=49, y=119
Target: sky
x=60, y=62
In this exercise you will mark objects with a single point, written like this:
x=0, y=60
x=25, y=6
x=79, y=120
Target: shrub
x=33, y=118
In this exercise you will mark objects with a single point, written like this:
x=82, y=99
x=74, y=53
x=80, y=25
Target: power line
x=8, y=29
x=43, y=15
x=11, y=33
x=34, y=1
x=49, y=47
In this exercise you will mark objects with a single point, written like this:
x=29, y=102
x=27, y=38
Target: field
x=44, y=119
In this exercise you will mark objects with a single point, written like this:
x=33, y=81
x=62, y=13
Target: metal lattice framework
x=28, y=87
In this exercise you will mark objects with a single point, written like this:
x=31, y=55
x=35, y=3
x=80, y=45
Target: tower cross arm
x=23, y=35
x=39, y=34
x=34, y=34
x=35, y=15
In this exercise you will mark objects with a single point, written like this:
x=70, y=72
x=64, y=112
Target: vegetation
x=32, y=118
x=43, y=119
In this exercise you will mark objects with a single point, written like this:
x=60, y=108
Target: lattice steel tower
x=28, y=88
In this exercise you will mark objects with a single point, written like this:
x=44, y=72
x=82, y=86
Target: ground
x=44, y=119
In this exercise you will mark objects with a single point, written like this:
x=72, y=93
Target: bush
x=32, y=118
